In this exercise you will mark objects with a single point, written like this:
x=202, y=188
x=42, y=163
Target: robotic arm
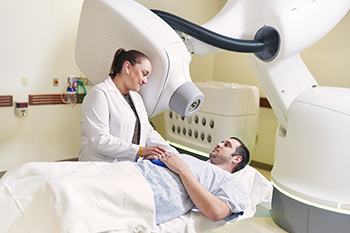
x=283, y=75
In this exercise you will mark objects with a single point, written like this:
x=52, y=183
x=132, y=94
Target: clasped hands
x=173, y=162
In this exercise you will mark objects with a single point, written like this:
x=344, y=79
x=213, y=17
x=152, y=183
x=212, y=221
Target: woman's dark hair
x=242, y=151
x=121, y=56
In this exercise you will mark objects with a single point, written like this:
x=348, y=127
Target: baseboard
x=260, y=165
x=2, y=173
x=68, y=160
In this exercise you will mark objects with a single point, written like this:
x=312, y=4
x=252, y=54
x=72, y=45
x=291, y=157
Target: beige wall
x=37, y=41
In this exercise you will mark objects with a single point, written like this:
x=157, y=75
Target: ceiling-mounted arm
x=265, y=44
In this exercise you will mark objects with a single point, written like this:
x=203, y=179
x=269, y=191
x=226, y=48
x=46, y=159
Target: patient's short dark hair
x=242, y=151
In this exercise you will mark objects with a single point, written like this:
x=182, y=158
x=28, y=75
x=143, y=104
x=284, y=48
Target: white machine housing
x=230, y=109
x=106, y=26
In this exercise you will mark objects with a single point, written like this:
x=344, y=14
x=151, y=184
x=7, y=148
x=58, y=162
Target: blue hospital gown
x=171, y=198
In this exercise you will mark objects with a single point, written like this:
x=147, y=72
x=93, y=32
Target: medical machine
x=310, y=174
x=229, y=109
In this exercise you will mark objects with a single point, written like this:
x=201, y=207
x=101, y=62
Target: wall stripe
x=6, y=100
x=49, y=99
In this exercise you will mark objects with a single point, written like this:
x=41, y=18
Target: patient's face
x=222, y=153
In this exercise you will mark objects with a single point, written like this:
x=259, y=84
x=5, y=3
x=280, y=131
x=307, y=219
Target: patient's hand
x=175, y=164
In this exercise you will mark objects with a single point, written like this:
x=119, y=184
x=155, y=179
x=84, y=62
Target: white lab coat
x=108, y=126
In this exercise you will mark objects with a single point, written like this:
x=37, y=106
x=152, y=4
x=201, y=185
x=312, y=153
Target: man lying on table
x=95, y=196
x=188, y=181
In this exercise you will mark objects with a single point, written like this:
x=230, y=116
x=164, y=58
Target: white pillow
x=259, y=190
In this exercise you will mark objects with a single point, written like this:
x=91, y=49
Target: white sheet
x=33, y=204
x=111, y=197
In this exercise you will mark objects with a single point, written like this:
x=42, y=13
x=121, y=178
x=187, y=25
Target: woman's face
x=137, y=75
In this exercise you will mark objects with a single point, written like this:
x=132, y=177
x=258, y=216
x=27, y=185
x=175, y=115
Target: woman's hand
x=153, y=152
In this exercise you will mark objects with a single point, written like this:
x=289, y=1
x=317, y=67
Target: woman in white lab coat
x=115, y=124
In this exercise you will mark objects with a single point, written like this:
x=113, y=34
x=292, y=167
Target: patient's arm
x=210, y=205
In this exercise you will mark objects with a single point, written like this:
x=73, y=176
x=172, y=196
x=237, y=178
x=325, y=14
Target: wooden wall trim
x=49, y=99
x=264, y=103
x=6, y=100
